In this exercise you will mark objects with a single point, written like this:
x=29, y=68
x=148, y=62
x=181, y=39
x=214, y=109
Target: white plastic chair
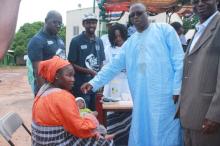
x=9, y=123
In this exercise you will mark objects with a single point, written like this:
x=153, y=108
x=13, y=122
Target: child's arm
x=95, y=113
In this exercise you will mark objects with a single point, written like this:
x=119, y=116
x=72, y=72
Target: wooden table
x=104, y=107
x=117, y=106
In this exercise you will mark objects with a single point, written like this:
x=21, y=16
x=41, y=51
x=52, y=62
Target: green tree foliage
x=102, y=12
x=25, y=33
x=62, y=33
x=184, y=1
x=22, y=37
x=189, y=23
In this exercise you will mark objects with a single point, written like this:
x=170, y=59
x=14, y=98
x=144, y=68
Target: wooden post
x=99, y=108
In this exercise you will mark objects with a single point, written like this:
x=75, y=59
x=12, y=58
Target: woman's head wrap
x=48, y=68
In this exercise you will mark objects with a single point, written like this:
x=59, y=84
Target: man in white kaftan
x=153, y=59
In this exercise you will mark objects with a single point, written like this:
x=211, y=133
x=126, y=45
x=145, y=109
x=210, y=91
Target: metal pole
x=93, y=6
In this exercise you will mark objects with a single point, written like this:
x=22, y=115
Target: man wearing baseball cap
x=86, y=54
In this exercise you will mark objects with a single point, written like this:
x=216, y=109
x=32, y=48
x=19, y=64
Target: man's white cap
x=89, y=16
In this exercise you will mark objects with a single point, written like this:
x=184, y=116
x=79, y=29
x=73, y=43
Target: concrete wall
x=74, y=19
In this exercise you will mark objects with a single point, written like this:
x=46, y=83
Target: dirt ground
x=16, y=96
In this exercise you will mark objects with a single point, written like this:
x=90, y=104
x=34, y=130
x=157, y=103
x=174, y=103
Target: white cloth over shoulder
x=153, y=60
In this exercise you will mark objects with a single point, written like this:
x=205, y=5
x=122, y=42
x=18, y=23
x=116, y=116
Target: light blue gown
x=154, y=61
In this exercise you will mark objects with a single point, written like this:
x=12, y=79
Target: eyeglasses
x=137, y=13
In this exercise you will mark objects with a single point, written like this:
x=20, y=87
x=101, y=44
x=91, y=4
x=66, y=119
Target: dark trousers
x=119, y=123
x=90, y=100
x=197, y=138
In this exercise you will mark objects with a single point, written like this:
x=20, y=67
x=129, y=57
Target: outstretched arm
x=107, y=73
x=8, y=19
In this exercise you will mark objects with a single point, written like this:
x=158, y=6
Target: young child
x=85, y=111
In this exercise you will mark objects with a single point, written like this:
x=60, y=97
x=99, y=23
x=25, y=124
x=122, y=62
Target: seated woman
x=118, y=123
x=56, y=117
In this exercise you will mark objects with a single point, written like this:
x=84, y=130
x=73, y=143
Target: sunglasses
x=137, y=13
x=197, y=1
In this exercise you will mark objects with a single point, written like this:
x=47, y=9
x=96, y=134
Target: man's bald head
x=140, y=6
x=53, y=22
x=52, y=14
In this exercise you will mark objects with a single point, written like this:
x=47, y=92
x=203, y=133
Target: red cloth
x=116, y=7
x=48, y=68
